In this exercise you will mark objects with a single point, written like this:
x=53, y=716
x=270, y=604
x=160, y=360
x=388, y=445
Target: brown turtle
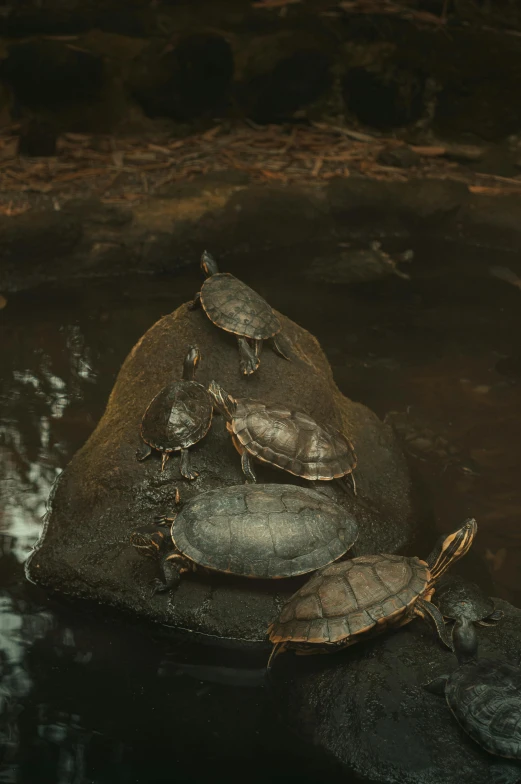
x=352, y=600
x=179, y=416
x=233, y=306
x=290, y=440
x=259, y=531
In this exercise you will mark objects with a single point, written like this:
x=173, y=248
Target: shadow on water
x=83, y=701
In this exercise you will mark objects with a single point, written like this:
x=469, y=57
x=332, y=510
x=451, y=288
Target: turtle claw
x=190, y=474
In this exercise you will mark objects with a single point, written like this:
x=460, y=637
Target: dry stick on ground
x=304, y=155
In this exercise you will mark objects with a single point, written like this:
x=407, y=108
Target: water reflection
x=83, y=702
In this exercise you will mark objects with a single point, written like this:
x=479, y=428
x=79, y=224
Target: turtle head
x=151, y=545
x=465, y=640
x=208, y=264
x=450, y=548
x=222, y=401
x=192, y=359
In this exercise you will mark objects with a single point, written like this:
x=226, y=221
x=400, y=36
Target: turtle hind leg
x=164, y=460
x=348, y=483
x=173, y=566
x=429, y=612
x=143, y=451
x=280, y=346
x=185, y=469
x=248, y=359
x=247, y=466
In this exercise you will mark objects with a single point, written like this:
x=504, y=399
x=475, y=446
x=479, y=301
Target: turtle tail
x=277, y=649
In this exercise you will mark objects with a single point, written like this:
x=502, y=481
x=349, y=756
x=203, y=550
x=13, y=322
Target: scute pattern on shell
x=485, y=699
x=292, y=440
x=264, y=531
x=178, y=416
x=351, y=598
x=233, y=306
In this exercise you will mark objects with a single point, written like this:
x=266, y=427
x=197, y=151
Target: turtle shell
x=352, y=598
x=178, y=416
x=233, y=306
x=263, y=531
x=292, y=440
x=460, y=598
x=484, y=698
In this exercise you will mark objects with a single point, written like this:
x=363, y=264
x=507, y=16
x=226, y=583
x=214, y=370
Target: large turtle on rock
x=233, y=306
x=356, y=599
x=179, y=416
x=290, y=440
x=484, y=696
x=258, y=531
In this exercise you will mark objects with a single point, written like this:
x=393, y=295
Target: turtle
x=346, y=602
x=233, y=306
x=483, y=695
x=290, y=440
x=178, y=417
x=459, y=598
x=258, y=531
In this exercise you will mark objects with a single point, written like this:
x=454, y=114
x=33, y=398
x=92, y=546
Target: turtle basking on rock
x=234, y=307
x=458, y=598
x=178, y=417
x=289, y=440
x=349, y=601
x=258, y=531
x=484, y=696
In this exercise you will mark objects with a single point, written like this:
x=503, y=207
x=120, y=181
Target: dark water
x=83, y=700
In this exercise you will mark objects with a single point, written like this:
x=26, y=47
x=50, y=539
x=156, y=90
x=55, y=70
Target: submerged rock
x=105, y=493
x=358, y=265
x=367, y=708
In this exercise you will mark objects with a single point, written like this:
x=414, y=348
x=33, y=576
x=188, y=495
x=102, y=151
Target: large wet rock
x=105, y=493
x=367, y=708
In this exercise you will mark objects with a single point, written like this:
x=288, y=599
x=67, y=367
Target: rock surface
x=105, y=493
x=367, y=708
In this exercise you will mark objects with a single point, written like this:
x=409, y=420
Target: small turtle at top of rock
x=234, y=307
x=484, y=696
x=289, y=440
x=261, y=531
x=353, y=600
x=178, y=417
x=458, y=598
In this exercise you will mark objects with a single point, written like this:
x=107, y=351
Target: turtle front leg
x=143, y=451
x=196, y=303
x=248, y=358
x=491, y=619
x=429, y=612
x=185, y=469
x=247, y=466
x=172, y=567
